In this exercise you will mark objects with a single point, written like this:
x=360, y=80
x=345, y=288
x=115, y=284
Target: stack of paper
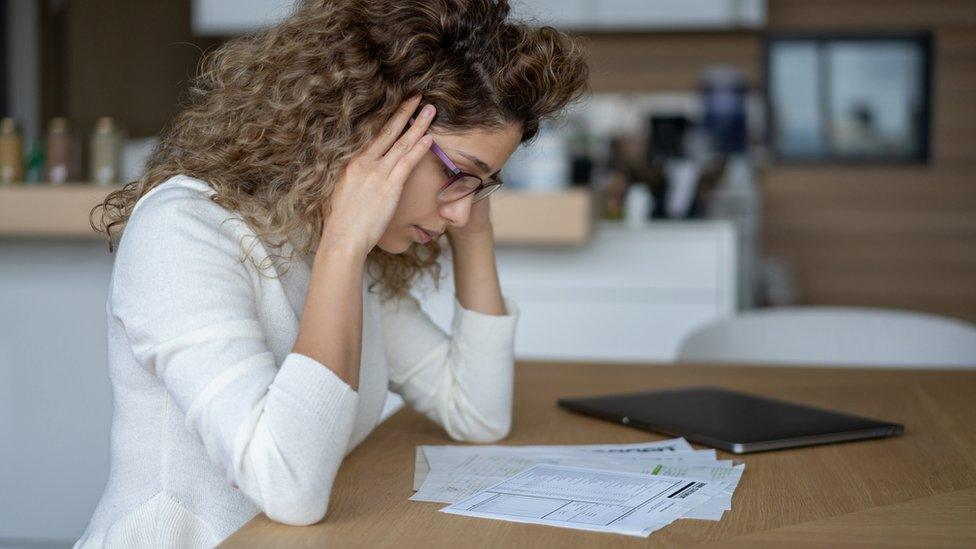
x=625, y=488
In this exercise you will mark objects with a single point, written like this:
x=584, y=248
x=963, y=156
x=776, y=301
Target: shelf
x=542, y=217
x=519, y=217
x=49, y=210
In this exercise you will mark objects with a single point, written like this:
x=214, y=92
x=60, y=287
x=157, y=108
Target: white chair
x=847, y=336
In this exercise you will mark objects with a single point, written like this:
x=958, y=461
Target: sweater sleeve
x=463, y=381
x=187, y=303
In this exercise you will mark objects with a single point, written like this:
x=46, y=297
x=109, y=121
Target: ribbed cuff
x=316, y=386
x=485, y=333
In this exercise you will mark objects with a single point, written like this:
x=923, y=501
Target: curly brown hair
x=274, y=117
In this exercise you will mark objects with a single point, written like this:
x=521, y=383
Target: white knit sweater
x=216, y=420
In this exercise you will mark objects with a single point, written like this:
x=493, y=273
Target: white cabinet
x=626, y=295
x=55, y=393
x=229, y=17
x=643, y=14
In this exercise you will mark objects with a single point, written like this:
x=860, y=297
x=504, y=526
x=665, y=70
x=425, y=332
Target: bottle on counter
x=106, y=152
x=11, y=153
x=35, y=162
x=58, y=158
x=581, y=163
x=638, y=205
x=614, y=181
x=614, y=187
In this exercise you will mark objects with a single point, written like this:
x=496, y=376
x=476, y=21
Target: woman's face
x=418, y=205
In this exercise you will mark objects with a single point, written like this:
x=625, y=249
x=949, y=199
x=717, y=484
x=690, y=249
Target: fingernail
x=427, y=110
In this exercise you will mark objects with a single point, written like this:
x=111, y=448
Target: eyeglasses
x=459, y=183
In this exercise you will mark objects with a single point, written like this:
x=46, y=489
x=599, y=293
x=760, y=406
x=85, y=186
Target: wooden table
x=918, y=489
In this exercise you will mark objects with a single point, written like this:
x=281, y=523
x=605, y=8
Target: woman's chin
x=395, y=247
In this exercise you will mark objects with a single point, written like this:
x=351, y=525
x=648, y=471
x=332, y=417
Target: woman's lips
x=424, y=236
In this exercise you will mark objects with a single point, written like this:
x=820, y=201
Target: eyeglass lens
x=463, y=186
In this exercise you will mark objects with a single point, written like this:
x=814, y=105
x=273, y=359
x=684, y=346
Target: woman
x=249, y=352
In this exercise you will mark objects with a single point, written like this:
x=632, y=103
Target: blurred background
x=738, y=158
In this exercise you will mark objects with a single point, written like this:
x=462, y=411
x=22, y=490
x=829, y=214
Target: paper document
x=456, y=474
x=449, y=456
x=587, y=499
x=478, y=471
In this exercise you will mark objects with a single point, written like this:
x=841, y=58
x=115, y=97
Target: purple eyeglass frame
x=456, y=172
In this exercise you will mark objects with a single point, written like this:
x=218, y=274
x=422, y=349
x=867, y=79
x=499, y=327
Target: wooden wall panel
x=888, y=236
x=864, y=14
x=129, y=60
x=668, y=61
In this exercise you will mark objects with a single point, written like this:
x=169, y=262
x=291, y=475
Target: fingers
x=406, y=142
x=392, y=128
x=406, y=163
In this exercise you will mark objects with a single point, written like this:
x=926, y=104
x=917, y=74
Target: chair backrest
x=834, y=336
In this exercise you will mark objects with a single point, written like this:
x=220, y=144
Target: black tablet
x=736, y=422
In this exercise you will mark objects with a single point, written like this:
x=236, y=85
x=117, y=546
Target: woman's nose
x=458, y=211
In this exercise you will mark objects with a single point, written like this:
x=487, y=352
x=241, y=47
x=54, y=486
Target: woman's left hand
x=478, y=225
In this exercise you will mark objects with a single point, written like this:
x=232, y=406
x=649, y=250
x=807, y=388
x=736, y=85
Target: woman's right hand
x=367, y=194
